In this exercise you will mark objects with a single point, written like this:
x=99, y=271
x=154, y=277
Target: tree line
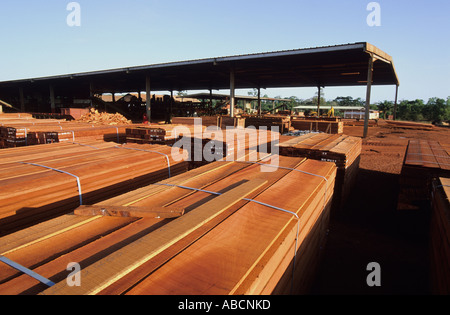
x=435, y=110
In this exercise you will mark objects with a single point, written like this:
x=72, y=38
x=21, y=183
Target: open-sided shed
x=357, y=64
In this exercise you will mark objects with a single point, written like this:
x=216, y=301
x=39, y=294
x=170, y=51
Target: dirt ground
x=371, y=229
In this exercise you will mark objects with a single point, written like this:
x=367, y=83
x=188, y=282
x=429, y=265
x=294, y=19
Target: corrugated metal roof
x=306, y=67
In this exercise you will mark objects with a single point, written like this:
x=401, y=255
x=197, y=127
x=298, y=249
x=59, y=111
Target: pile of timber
x=40, y=182
x=344, y=151
x=424, y=161
x=282, y=122
x=330, y=127
x=408, y=125
x=316, y=118
x=14, y=128
x=204, y=144
x=440, y=237
x=95, y=117
x=171, y=240
x=148, y=135
x=190, y=121
x=231, y=122
x=359, y=122
x=35, y=132
x=161, y=134
x=232, y=145
x=211, y=121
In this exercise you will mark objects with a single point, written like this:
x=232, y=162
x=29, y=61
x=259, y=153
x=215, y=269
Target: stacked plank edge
x=30, y=193
x=343, y=150
x=424, y=161
x=330, y=127
x=440, y=237
x=408, y=125
x=206, y=144
x=220, y=245
x=282, y=123
x=20, y=130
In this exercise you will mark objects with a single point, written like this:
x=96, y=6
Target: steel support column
x=52, y=99
x=368, y=95
x=232, y=93
x=318, y=100
x=259, y=102
x=396, y=102
x=148, y=98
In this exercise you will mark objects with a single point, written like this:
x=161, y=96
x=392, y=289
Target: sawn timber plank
x=134, y=255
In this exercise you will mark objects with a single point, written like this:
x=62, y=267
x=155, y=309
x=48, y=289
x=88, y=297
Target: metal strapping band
x=60, y=171
x=26, y=271
x=296, y=170
x=257, y=202
x=73, y=135
x=117, y=133
x=149, y=151
x=84, y=145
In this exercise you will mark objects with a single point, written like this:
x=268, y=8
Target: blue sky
x=36, y=40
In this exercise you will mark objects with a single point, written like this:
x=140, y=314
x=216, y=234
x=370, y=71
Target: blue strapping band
x=84, y=145
x=26, y=271
x=60, y=171
x=150, y=151
x=260, y=203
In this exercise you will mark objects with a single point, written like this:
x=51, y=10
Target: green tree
x=349, y=101
x=411, y=110
x=386, y=108
x=437, y=110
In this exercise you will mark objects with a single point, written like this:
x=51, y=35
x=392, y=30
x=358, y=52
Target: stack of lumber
x=161, y=134
x=74, y=113
x=424, y=161
x=233, y=122
x=143, y=135
x=440, y=237
x=282, y=122
x=344, y=151
x=15, y=116
x=217, y=121
x=408, y=125
x=331, y=127
x=204, y=144
x=215, y=245
x=29, y=193
x=230, y=144
x=189, y=121
x=316, y=118
x=360, y=123
x=32, y=133
x=14, y=128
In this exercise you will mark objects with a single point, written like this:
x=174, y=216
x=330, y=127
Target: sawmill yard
x=140, y=196
x=151, y=222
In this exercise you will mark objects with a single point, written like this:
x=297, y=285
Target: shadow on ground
x=370, y=229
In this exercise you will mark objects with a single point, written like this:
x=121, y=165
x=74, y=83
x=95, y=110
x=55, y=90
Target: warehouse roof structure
x=340, y=65
x=215, y=96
